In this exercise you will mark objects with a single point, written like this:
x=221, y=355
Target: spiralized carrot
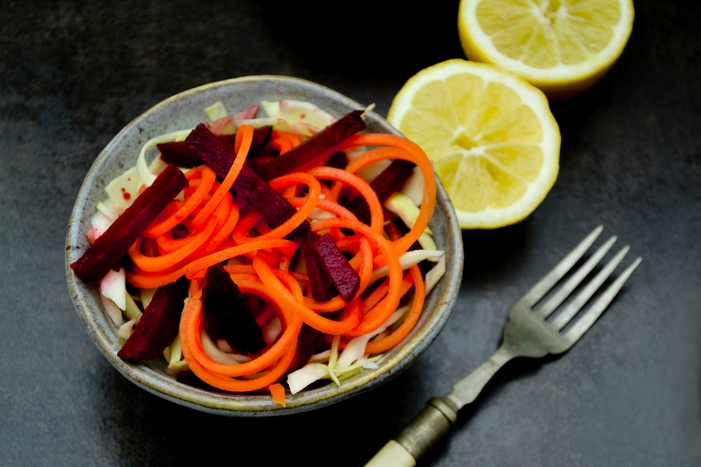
x=191, y=328
x=386, y=343
x=399, y=148
x=277, y=392
x=285, y=298
x=154, y=264
x=284, y=140
x=208, y=177
x=352, y=180
x=209, y=225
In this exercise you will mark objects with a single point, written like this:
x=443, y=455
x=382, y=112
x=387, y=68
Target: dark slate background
x=73, y=73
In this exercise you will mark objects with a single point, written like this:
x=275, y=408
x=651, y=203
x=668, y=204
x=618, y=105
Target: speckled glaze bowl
x=185, y=110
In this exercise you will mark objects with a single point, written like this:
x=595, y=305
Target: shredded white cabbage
x=123, y=190
x=147, y=177
x=333, y=358
x=355, y=349
x=132, y=309
x=271, y=108
x=404, y=207
x=146, y=296
x=112, y=310
x=177, y=368
x=435, y=274
x=300, y=379
x=414, y=187
x=99, y=223
x=125, y=330
x=304, y=112
x=113, y=286
x=407, y=260
x=176, y=352
x=217, y=355
x=321, y=357
x=105, y=207
x=370, y=172
x=216, y=111
x=272, y=330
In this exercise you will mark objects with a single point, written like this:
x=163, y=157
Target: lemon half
x=490, y=135
x=561, y=46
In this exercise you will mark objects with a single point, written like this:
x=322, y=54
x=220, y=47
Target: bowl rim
x=149, y=375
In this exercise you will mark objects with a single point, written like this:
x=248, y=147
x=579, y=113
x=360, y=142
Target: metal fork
x=527, y=333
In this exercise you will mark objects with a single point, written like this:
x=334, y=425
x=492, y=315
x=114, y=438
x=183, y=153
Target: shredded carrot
x=352, y=180
x=208, y=178
x=277, y=392
x=285, y=246
x=284, y=140
x=410, y=321
x=283, y=296
x=191, y=328
x=399, y=148
x=155, y=264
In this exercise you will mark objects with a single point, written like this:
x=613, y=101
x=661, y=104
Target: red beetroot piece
x=114, y=243
x=321, y=142
x=320, y=283
x=179, y=154
x=212, y=151
x=227, y=314
x=308, y=342
x=342, y=275
x=390, y=180
x=338, y=160
x=159, y=324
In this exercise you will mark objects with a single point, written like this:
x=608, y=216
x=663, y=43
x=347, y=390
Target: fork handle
x=433, y=423
x=439, y=416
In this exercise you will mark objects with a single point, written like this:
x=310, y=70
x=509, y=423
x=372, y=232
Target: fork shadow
x=511, y=371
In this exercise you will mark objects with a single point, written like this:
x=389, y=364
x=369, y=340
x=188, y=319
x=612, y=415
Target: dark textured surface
x=73, y=74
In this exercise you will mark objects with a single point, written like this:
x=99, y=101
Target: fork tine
x=564, y=316
x=546, y=283
x=592, y=314
x=572, y=283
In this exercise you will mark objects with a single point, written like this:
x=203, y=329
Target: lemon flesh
x=491, y=137
x=561, y=46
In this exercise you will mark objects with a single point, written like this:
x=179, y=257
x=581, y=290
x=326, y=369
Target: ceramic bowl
x=185, y=110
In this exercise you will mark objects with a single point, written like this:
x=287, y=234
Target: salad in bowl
x=262, y=246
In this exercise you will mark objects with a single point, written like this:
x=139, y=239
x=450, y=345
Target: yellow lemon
x=561, y=46
x=490, y=135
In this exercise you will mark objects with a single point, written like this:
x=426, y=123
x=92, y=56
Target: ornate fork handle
x=438, y=417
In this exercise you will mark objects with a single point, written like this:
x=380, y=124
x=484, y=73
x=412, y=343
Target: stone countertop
x=73, y=73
